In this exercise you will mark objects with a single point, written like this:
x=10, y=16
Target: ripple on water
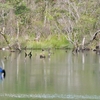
x=51, y=96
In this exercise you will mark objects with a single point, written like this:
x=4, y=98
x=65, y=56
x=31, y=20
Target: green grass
x=51, y=42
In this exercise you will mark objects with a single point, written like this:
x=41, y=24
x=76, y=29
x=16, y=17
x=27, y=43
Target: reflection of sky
x=51, y=96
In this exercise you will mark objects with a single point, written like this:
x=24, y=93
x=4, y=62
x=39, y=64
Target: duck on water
x=2, y=73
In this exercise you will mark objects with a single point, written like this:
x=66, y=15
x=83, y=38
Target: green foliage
x=14, y=2
x=21, y=9
x=47, y=17
x=87, y=19
x=53, y=41
x=85, y=24
x=5, y=6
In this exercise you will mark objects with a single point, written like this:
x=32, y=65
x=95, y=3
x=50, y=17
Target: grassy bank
x=52, y=41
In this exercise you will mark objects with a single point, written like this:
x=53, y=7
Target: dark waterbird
x=42, y=55
x=30, y=54
x=2, y=73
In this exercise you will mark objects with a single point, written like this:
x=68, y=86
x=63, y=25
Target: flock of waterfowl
x=42, y=54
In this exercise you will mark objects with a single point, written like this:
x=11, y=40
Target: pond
x=63, y=75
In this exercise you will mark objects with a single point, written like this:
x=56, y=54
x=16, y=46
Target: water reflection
x=51, y=96
x=63, y=75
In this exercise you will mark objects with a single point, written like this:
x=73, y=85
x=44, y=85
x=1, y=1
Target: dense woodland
x=49, y=23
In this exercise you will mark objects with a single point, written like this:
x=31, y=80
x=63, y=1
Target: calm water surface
x=62, y=76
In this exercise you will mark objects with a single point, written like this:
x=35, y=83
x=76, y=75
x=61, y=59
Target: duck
x=42, y=55
x=2, y=73
x=30, y=55
x=25, y=54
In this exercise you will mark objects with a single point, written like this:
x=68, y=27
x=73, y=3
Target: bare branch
x=95, y=34
x=93, y=38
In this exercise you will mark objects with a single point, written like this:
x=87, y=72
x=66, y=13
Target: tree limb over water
x=4, y=36
x=93, y=38
x=15, y=46
x=83, y=46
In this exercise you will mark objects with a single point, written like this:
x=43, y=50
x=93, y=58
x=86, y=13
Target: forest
x=49, y=24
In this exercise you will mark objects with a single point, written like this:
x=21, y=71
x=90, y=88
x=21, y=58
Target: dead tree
x=93, y=38
x=15, y=46
x=4, y=36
